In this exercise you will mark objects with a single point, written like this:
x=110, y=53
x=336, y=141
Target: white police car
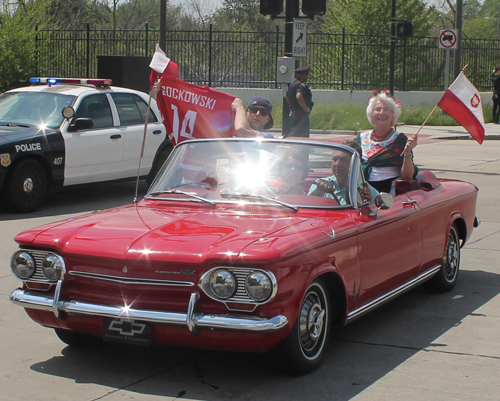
x=60, y=132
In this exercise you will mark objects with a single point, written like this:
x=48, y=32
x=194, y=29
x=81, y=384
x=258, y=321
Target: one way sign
x=299, y=38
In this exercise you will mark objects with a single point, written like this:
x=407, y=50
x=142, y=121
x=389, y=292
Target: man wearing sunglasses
x=255, y=119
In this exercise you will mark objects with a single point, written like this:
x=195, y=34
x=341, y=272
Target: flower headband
x=386, y=92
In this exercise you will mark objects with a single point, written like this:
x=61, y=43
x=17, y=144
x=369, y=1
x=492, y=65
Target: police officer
x=299, y=98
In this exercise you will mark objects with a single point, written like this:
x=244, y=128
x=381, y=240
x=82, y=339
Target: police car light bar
x=81, y=81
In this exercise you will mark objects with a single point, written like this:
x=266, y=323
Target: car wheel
x=76, y=339
x=25, y=187
x=447, y=276
x=305, y=346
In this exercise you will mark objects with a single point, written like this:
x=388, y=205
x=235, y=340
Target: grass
x=352, y=117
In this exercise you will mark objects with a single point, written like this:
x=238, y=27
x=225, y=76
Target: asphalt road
x=418, y=347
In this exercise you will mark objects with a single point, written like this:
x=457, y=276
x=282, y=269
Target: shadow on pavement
x=358, y=355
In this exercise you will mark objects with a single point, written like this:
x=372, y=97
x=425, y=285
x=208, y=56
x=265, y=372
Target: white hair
x=388, y=101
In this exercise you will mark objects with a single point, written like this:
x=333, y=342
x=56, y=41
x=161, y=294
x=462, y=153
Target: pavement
x=439, y=347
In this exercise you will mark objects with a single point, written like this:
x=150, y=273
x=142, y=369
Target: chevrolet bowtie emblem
x=187, y=272
x=127, y=328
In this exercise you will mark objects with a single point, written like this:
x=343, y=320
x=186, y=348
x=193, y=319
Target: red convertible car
x=234, y=248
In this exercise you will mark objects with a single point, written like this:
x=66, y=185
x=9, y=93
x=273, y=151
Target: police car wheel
x=25, y=187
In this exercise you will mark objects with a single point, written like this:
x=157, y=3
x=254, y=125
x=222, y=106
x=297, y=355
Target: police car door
x=94, y=154
x=132, y=111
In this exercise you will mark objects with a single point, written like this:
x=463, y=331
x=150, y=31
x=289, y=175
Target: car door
x=132, y=111
x=389, y=246
x=93, y=154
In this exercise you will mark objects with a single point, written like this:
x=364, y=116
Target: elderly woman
x=387, y=154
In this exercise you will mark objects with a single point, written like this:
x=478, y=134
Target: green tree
x=18, y=29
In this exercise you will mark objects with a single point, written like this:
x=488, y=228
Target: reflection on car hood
x=17, y=134
x=176, y=235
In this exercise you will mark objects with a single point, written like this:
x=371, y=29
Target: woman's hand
x=410, y=145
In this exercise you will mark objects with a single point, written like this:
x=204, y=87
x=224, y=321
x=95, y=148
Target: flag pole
x=431, y=113
x=143, y=143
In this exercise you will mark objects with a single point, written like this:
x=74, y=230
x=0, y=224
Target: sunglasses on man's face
x=255, y=110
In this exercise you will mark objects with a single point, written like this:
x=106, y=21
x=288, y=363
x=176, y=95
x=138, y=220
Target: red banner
x=190, y=111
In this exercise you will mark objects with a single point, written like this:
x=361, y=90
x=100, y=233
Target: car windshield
x=270, y=172
x=33, y=108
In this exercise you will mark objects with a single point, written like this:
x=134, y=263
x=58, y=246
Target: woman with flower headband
x=387, y=154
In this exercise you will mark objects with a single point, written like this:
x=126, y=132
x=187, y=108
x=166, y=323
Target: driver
x=335, y=186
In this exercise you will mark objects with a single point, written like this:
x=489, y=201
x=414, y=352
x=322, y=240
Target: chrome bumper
x=192, y=320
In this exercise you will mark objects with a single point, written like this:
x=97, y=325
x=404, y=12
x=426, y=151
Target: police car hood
x=10, y=134
x=183, y=235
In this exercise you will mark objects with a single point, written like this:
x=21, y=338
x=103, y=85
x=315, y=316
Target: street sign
x=448, y=38
x=299, y=38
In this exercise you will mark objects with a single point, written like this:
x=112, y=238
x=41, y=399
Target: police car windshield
x=33, y=108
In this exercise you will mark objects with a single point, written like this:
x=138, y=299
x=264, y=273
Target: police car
x=67, y=131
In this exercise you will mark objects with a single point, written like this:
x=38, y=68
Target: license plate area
x=127, y=331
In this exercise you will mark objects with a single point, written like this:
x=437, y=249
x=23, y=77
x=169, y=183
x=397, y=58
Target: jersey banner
x=191, y=111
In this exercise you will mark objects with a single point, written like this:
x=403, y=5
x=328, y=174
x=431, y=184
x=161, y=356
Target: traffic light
x=271, y=7
x=404, y=29
x=314, y=7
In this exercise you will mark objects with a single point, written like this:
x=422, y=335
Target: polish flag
x=463, y=103
x=162, y=65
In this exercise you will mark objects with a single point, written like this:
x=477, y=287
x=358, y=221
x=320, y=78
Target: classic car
x=66, y=131
x=232, y=249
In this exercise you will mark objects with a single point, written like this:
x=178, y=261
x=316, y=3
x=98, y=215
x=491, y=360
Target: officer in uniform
x=299, y=98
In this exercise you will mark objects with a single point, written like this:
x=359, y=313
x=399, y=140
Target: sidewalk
x=492, y=132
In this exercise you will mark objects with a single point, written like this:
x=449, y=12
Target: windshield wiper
x=14, y=125
x=177, y=192
x=247, y=196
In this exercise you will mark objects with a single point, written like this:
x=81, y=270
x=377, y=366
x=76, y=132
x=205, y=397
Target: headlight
x=52, y=267
x=22, y=265
x=258, y=286
x=222, y=283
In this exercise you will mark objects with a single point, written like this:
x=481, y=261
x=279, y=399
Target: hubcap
x=28, y=185
x=452, y=256
x=312, y=318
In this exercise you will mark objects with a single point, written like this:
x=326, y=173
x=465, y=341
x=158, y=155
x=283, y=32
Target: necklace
x=376, y=138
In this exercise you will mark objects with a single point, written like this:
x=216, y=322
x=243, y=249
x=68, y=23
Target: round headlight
x=52, y=267
x=22, y=265
x=259, y=286
x=223, y=283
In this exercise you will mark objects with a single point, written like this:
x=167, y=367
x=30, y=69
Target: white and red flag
x=162, y=65
x=462, y=102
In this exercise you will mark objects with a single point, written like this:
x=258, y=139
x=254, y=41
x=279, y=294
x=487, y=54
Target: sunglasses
x=294, y=166
x=255, y=110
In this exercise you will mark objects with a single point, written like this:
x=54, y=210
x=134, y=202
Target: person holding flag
x=387, y=154
x=255, y=119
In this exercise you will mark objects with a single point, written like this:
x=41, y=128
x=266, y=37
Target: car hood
x=16, y=134
x=177, y=235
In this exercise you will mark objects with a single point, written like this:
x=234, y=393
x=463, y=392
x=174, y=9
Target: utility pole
x=392, y=56
x=163, y=25
x=457, y=66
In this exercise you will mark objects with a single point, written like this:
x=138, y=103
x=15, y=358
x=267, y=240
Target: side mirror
x=81, y=124
x=68, y=112
x=382, y=201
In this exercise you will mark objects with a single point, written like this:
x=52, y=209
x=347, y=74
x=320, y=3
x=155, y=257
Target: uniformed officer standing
x=299, y=98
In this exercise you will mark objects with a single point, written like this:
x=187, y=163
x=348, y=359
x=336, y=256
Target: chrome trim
x=191, y=308
x=130, y=280
x=392, y=294
x=477, y=222
x=230, y=322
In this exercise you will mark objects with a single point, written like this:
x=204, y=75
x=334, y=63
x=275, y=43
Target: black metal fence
x=248, y=59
